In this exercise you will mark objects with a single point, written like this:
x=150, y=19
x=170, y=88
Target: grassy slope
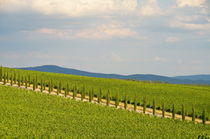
x=25, y=112
x=189, y=95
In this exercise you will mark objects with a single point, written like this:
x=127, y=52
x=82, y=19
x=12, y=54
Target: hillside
x=196, y=79
x=31, y=114
x=189, y=95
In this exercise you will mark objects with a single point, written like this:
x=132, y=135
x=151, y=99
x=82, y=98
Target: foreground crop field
x=27, y=113
x=188, y=95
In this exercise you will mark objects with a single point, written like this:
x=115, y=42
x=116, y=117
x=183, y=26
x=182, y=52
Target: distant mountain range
x=191, y=79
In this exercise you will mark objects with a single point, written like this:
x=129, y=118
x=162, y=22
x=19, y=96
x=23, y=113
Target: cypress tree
x=49, y=87
x=7, y=77
x=22, y=82
x=11, y=81
x=117, y=100
x=204, y=117
x=36, y=82
x=68, y=89
x=41, y=86
x=173, y=112
x=135, y=102
x=44, y=85
x=4, y=79
x=154, y=107
x=58, y=90
x=126, y=102
x=65, y=92
x=163, y=110
x=59, y=87
x=1, y=73
x=15, y=78
x=18, y=80
x=144, y=105
x=183, y=113
x=74, y=92
x=26, y=82
x=108, y=98
x=99, y=96
x=83, y=93
x=90, y=96
x=34, y=85
x=193, y=115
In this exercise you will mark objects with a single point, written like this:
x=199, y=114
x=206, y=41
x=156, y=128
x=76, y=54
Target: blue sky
x=110, y=36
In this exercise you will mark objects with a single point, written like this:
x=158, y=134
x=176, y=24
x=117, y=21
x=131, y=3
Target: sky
x=164, y=37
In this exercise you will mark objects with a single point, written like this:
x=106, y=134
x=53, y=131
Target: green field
x=190, y=95
x=27, y=113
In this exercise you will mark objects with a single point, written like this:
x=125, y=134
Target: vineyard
x=84, y=87
x=27, y=114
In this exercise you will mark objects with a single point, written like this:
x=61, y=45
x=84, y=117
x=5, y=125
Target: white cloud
x=190, y=26
x=77, y=8
x=72, y=7
x=116, y=58
x=172, y=39
x=190, y=3
x=150, y=8
x=159, y=59
x=184, y=18
x=104, y=31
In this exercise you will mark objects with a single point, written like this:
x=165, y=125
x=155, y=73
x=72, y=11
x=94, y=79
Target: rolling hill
x=192, y=79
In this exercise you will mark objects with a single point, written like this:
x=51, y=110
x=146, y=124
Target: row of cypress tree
x=26, y=81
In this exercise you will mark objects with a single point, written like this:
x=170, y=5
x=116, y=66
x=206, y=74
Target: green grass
x=189, y=95
x=27, y=113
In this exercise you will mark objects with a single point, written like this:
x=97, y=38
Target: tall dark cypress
x=49, y=87
x=29, y=80
x=19, y=80
x=4, y=79
x=83, y=93
x=1, y=73
x=74, y=92
x=99, y=96
x=108, y=98
x=65, y=91
x=36, y=82
x=135, y=102
x=11, y=81
x=173, y=112
x=26, y=82
x=41, y=89
x=44, y=85
x=60, y=87
x=15, y=78
x=68, y=89
x=163, y=110
x=144, y=105
x=126, y=102
x=153, y=107
x=193, y=115
x=90, y=96
x=34, y=85
x=204, y=117
x=183, y=113
x=7, y=77
x=117, y=100
x=22, y=82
